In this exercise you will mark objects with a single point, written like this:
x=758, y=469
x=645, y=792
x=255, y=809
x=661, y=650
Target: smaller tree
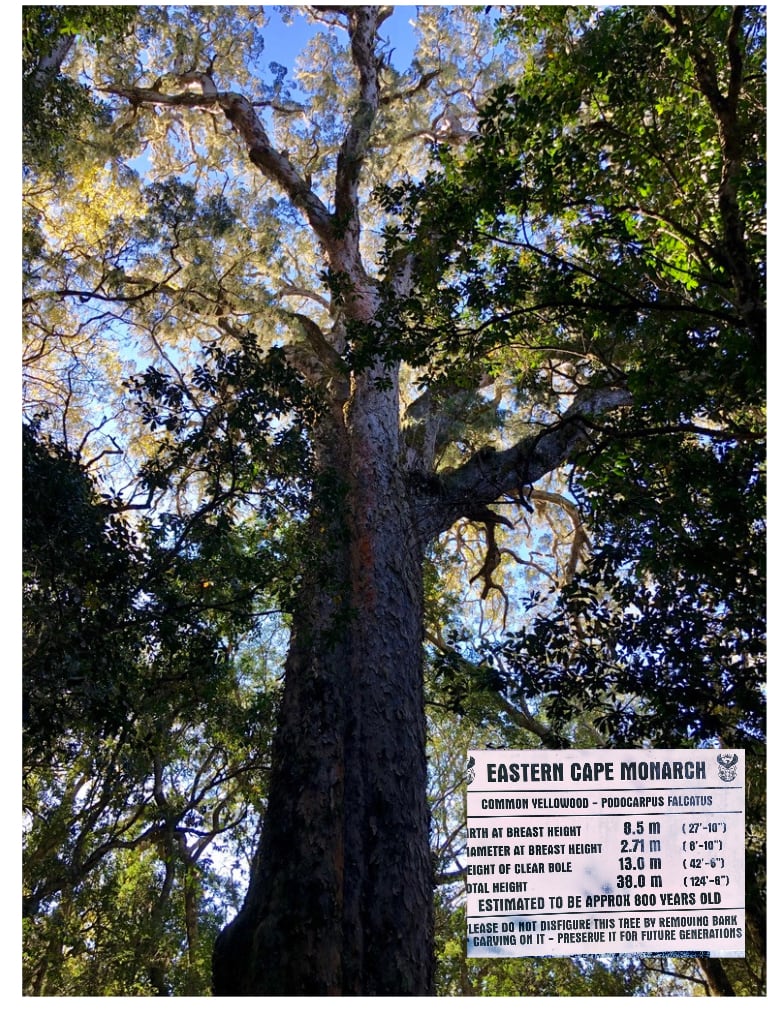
x=149, y=700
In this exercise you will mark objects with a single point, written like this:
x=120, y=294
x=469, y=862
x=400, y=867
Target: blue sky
x=283, y=42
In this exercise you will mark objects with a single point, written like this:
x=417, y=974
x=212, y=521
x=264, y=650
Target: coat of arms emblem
x=727, y=771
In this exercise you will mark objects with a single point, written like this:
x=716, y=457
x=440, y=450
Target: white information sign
x=605, y=851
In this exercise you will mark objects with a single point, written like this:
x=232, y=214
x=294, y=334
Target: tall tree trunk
x=340, y=900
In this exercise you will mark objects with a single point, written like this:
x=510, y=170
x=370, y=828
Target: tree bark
x=340, y=897
x=340, y=900
x=716, y=978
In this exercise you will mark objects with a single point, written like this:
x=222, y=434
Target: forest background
x=596, y=333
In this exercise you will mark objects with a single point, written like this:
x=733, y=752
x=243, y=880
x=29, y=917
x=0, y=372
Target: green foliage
x=611, y=217
x=240, y=419
x=610, y=210
x=141, y=926
x=662, y=634
x=54, y=105
x=604, y=225
x=148, y=711
x=108, y=605
x=610, y=223
x=81, y=567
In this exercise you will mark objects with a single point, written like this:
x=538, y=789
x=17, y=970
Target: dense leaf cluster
x=616, y=229
x=147, y=713
x=609, y=224
x=82, y=566
x=110, y=608
x=54, y=105
x=603, y=226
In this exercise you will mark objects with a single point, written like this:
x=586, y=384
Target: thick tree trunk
x=340, y=901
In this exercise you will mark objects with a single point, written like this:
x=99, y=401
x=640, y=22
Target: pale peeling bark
x=49, y=65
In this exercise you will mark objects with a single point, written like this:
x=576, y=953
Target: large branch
x=49, y=65
x=277, y=166
x=364, y=23
x=466, y=492
x=339, y=231
x=243, y=115
x=733, y=250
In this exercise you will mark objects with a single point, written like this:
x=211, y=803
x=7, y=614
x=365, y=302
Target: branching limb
x=430, y=421
x=404, y=94
x=489, y=474
x=339, y=231
x=492, y=555
x=201, y=92
x=579, y=536
x=515, y=705
x=733, y=250
x=49, y=65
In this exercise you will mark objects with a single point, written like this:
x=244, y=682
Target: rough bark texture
x=340, y=899
x=341, y=894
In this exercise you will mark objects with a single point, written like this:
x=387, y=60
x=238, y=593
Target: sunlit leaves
x=591, y=223
x=57, y=106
